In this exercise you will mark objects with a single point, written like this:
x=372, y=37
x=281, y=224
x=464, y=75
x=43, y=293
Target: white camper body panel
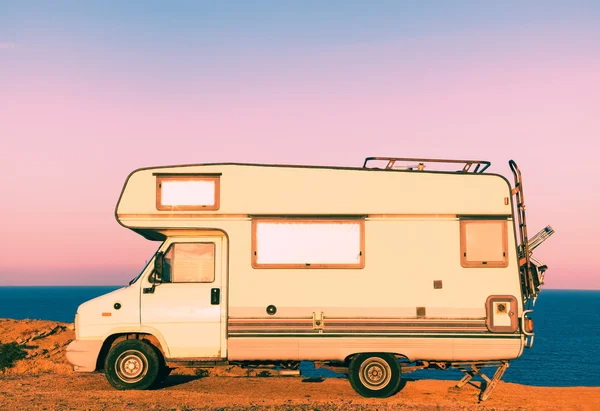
x=412, y=238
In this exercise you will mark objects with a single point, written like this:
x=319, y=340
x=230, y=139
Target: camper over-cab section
x=168, y=194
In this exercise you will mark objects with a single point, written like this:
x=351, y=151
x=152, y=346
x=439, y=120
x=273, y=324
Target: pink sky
x=79, y=112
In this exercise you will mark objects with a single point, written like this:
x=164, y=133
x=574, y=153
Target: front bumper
x=83, y=354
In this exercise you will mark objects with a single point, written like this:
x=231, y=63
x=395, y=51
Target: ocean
x=566, y=351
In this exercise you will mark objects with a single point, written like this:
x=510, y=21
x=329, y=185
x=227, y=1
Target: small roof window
x=187, y=192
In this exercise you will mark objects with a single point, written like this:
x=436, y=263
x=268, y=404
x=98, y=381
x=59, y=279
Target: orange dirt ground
x=45, y=381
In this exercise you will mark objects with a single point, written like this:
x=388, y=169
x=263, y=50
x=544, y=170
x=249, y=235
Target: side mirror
x=156, y=276
x=158, y=266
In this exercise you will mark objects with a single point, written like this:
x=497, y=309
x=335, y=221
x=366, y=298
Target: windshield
x=137, y=277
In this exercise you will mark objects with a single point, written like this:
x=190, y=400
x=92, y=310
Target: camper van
x=376, y=271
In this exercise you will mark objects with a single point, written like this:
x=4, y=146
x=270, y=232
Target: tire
x=163, y=373
x=375, y=375
x=132, y=365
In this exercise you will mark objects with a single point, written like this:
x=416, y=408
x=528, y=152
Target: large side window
x=187, y=192
x=307, y=243
x=483, y=243
x=189, y=263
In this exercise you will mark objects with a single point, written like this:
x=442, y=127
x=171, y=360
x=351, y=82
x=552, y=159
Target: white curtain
x=308, y=243
x=187, y=193
x=194, y=263
x=485, y=241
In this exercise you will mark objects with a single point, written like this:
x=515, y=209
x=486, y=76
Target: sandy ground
x=44, y=381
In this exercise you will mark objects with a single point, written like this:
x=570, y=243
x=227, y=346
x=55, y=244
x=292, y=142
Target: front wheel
x=163, y=373
x=375, y=375
x=132, y=365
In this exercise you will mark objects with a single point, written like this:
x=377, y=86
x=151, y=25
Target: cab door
x=187, y=306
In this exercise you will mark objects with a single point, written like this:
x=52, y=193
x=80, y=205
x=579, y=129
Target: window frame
x=463, y=243
x=301, y=220
x=215, y=178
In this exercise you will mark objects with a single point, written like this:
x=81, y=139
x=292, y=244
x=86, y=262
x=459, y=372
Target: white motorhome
x=372, y=270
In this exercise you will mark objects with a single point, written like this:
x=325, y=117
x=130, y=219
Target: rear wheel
x=375, y=375
x=132, y=365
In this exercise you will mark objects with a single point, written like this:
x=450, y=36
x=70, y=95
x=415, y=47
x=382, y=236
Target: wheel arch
x=116, y=338
x=397, y=355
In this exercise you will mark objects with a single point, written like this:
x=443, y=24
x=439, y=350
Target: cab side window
x=189, y=263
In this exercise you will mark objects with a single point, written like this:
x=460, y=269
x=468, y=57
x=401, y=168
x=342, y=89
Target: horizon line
x=125, y=285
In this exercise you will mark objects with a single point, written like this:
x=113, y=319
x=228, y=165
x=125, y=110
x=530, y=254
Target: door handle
x=215, y=296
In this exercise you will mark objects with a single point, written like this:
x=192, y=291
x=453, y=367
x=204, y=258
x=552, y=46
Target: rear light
x=528, y=325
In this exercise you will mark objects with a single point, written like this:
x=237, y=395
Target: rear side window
x=483, y=243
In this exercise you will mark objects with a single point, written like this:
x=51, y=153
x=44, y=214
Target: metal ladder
x=528, y=279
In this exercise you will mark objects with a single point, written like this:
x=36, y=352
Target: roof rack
x=480, y=166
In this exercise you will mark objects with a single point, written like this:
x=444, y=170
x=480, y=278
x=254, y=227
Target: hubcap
x=375, y=373
x=131, y=366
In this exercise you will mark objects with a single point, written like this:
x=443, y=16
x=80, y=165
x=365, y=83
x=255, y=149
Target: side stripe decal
x=359, y=327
